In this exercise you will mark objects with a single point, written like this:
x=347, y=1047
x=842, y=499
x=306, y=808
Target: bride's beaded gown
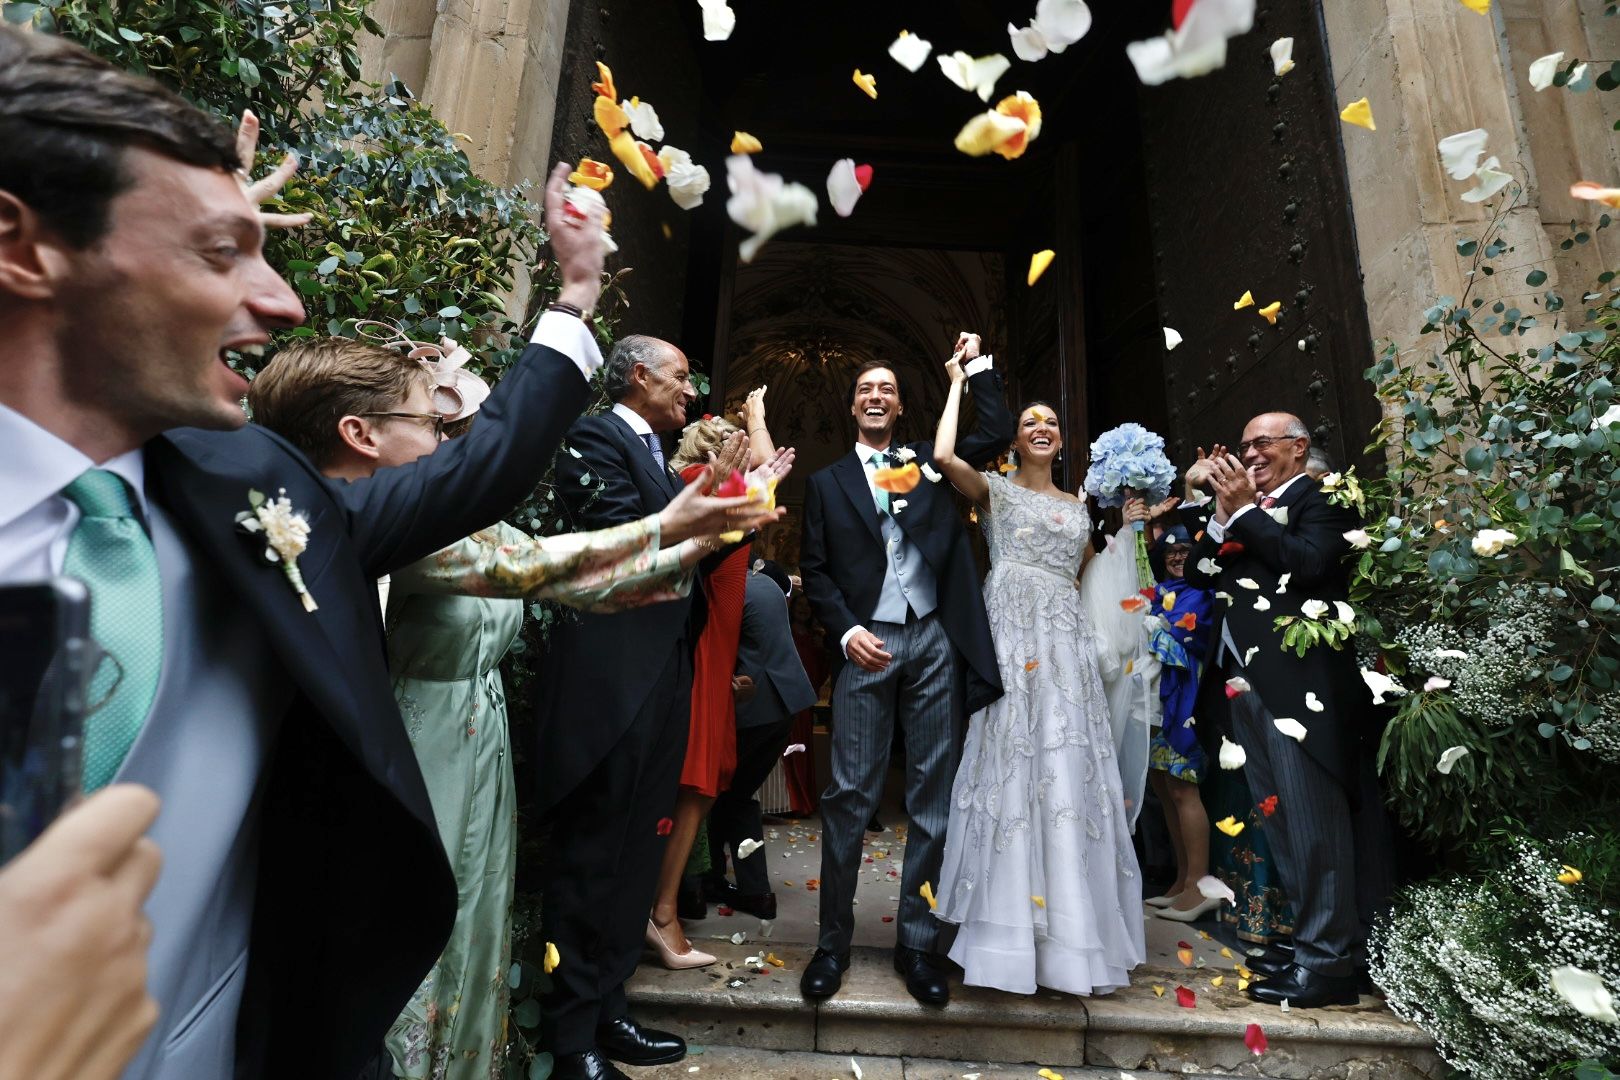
x=1038, y=871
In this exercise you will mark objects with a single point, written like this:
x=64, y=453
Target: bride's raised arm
x=963, y=476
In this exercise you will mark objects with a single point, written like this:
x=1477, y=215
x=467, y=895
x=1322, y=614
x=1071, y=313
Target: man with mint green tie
x=304, y=891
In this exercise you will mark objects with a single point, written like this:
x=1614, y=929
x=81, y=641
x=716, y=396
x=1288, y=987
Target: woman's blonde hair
x=700, y=439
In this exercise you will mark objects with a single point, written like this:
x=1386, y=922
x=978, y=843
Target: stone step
x=731, y=1004
x=742, y=1063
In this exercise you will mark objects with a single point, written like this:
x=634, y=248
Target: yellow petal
x=990, y=132
x=1226, y=952
x=927, y=893
x=1048, y=1074
x=1040, y=901
x=1246, y=300
x=592, y=174
x=604, y=86
x=1038, y=263
x=1570, y=876
x=1230, y=826
x=1130, y=666
x=867, y=83
x=552, y=958
x=610, y=117
x=1359, y=113
x=1244, y=972
x=1021, y=106
x=1585, y=189
x=1270, y=311
x=744, y=143
x=1185, y=956
x=1481, y=6
x=629, y=153
x=1205, y=935
x=1243, y=984
x=774, y=961
x=1158, y=991
x=1218, y=980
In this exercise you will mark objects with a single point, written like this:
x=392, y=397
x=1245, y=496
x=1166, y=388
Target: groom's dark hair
x=66, y=118
x=873, y=365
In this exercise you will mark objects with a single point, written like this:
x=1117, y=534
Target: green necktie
x=113, y=556
x=880, y=460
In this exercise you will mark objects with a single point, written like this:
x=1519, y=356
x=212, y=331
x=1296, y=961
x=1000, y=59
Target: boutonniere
x=906, y=453
x=286, y=535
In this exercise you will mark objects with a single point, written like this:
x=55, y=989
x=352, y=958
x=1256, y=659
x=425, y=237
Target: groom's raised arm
x=994, y=425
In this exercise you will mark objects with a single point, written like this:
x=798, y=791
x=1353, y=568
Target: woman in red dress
x=711, y=747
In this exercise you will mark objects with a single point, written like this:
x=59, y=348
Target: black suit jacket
x=766, y=654
x=346, y=827
x=842, y=559
x=1309, y=546
x=598, y=669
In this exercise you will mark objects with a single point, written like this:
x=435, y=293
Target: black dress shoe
x=689, y=902
x=823, y=975
x=924, y=980
x=1269, y=964
x=759, y=905
x=627, y=1041
x=589, y=1065
x=1305, y=989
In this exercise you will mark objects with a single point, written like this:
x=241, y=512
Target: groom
x=892, y=579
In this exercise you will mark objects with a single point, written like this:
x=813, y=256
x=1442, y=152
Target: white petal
x=764, y=204
x=1460, y=153
x=688, y=183
x=747, y=846
x=1198, y=48
x=1289, y=727
x=1345, y=612
x=1580, y=80
x=1248, y=583
x=1451, y=654
x=1282, y=56
x=1239, y=684
x=1028, y=43
x=1488, y=181
x=843, y=190
x=1213, y=888
x=1381, y=685
x=1262, y=604
x=718, y=20
x=739, y=937
x=1209, y=567
x=796, y=748
x=1232, y=755
x=910, y=51
x=1312, y=702
x=1449, y=758
x=1543, y=70
x=933, y=474
x=1248, y=656
x=1313, y=609
x=1062, y=22
x=853, y=1064
x=976, y=75
x=644, y=120
x=1171, y=339
x=1585, y=992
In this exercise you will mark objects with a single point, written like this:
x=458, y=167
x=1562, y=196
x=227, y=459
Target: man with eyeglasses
x=1274, y=545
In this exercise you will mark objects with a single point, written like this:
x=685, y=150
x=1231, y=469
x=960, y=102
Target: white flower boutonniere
x=286, y=535
x=906, y=453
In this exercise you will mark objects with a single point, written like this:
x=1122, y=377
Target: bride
x=1039, y=873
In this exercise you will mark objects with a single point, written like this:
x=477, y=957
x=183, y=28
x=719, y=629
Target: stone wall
x=1432, y=68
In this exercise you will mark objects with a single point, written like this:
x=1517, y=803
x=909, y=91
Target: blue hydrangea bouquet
x=1129, y=461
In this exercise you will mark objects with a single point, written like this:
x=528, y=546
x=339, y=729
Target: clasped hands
x=1227, y=476
x=697, y=512
x=966, y=349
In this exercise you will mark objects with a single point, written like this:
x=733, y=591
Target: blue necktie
x=651, y=439
x=113, y=556
x=880, y=460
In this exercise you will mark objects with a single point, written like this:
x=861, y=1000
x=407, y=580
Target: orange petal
x=867, y=83
x=993, y=132
x=927, y=893
x=898, y=480
x=1270, y=312
x=1038, y=263
x=1185, y=956
x=1133, y=604
x=744, y=143
x=650, y=156
x=1188, y=621
x=604, y=87
x=1032, y=665
x=595, y=175
x=629, y=155
x=1585, y=189
x=610, y=117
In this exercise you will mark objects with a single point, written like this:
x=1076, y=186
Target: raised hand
x=731, y=457
x=695, y=512
x=1234, y=487
x=1163, y=507
x=753, y=410
x=576, y=242
x=953, y=368
x=777, y=468
x=967, y=346
x=261, y=191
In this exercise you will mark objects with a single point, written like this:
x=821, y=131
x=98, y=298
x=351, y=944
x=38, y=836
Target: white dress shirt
x=637, y=422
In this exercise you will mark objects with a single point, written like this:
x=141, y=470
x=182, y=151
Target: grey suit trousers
x=1333, y=864
x=919, y=690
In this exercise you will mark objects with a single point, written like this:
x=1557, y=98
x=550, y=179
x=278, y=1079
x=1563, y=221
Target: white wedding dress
x=1039, y=873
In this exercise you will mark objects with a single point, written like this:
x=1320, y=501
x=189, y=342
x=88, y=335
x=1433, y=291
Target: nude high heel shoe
x=1204, y=907
x=691, y=958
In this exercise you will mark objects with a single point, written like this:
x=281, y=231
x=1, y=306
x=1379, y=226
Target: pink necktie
x=1267, y=502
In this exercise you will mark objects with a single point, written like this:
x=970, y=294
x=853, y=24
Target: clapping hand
x=1163, y=507
x=261, y=191
x=1234, y=487
x=695, y=512
x=777, y=468
x=731, y=457
x=1198, y=472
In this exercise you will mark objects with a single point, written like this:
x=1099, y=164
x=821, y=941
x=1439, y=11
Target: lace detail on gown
x=1036, y=809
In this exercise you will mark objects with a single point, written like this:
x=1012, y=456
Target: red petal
x=888, y=918
x=1268, y=805
x=722, y=909
x=1183, y=944
x=734, y=485
x=1255, y=1039
x=1186, y=998
x=665, y=826
x=1231, y=547
x=1232, y=691
x=1178, y=12
x=863, y=176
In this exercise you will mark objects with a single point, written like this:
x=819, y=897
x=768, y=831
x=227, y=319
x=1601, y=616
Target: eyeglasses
x=1263, y=441
x=436, y=420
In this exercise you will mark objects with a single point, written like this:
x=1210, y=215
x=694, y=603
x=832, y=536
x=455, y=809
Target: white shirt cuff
x=978, y=364
x=843, y=642
x=571, y=337
x=1217, y=531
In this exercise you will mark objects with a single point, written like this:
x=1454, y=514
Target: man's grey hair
x=627, y=352
x=1296, y=429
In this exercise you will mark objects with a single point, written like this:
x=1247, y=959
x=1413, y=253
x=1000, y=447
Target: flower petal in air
x=1038, y=263
x=1188, y=621
x=1585, y=189
x=1236, y=685
x=898, y=479
x=604, y=84
x=1270, y=312
x=927, y=893
x=643, y=119
x=1483, y=7
x=1255, y=1040
x=977, y=75
x=910, y=51
x=1229, y=825
x=595, y=175
x=744, y=143
x=665, y=826
x=993, y=132
x=1358, y=539
x=1489, y=180
x=1282, y=56
x=610, y=116
x=553, y=958
x=1570, y=876
x=1232, y=755
x=1209, y=566
x=1449, y=758
x=1171, y=339
x=843, y=187
x=1133, y=604
x=1213, y=888
x=1312, y=702
x=1585, y=993
x=1267, y=805
x=1313, y=609
x=688, y=182
x=764, y=204
x=1032, y=665
x=867, y=83
x=747, y=846
x=628, y=151
x=718, y=20
x=1246, y=300
x=1196, y=45
x=1186, y=998
x=1543, y=70
x=1359, y=113
x=1038, y=901
x=1460, y=153
x=1289, y=727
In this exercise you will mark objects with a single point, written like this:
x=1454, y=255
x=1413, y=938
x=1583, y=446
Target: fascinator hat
x=457, y=393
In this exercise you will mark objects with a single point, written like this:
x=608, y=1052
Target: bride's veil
x=1130, y=671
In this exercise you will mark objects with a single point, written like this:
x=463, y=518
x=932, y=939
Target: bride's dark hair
x=1012, y=448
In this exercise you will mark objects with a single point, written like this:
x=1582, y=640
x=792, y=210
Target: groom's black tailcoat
x=842, y=558
x=355, y=898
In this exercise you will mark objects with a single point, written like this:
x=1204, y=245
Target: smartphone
x=46, y=660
